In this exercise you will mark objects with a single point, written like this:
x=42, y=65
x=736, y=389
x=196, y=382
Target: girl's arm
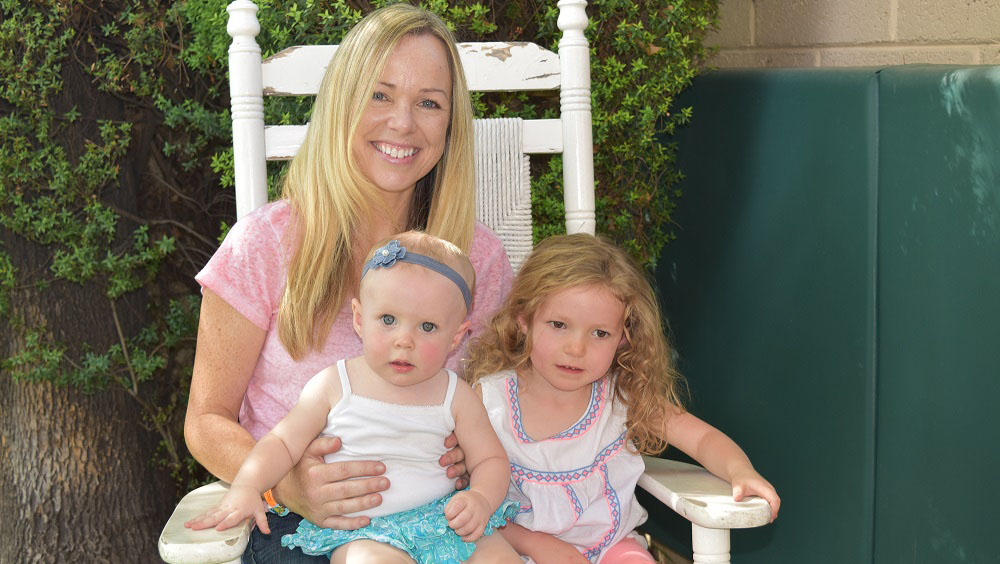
x=721, y=456
x=543, y=548
x=273, y=456
x=489, y=468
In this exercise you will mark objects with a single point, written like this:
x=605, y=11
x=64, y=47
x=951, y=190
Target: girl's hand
x=323, y=492
x=467, y=514
x=239, y=504
x=751, y=483
x=454, y=461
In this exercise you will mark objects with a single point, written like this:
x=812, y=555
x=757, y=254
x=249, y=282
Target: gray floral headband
x=393, y=252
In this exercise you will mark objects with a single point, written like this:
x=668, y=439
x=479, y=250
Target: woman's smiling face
x=404, y=128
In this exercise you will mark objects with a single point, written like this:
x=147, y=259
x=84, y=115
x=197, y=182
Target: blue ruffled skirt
x=422, y=532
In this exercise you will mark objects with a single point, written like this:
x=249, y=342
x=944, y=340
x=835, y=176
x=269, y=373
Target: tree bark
x=77, y=481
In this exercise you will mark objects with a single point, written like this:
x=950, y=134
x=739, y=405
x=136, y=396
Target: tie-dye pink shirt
x=249, y=272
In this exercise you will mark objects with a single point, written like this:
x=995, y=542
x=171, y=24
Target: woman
x=389, y=148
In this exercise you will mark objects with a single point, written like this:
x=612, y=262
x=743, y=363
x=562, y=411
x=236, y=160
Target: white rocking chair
x=503, y=203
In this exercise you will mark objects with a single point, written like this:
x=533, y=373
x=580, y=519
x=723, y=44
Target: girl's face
x=574, y=336
x=409, y=318
x=402, y=133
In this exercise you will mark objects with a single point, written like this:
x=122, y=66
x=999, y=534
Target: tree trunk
x=78, y=483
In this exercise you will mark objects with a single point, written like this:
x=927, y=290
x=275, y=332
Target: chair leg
x=710, y=546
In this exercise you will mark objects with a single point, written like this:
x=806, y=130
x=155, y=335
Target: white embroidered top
x=578, y=485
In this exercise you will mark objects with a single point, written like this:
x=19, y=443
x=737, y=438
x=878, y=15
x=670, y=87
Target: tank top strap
x=345, y=382
x=452, y=382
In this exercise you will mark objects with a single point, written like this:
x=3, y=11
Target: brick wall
x=850, y=33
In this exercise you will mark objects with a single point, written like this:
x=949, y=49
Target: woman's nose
x=401, y=118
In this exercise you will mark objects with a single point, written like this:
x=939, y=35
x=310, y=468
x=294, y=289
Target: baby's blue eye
x=388, y=319
x=427, y=327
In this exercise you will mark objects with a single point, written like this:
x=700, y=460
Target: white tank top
x=578, y=485
x=408, y=439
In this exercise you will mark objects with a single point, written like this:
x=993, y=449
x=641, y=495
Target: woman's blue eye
x=379, y=96
x=430, y=104
x=427, y=327
x=388, y=319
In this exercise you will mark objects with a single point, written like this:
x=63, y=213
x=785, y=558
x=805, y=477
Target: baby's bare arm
x=489, y=468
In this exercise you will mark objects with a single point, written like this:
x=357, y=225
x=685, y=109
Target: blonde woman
x=389, y=148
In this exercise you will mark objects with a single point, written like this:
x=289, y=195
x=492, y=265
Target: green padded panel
x=939, y=315
x=769, y=290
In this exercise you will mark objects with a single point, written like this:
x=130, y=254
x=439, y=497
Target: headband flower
x=387, y=255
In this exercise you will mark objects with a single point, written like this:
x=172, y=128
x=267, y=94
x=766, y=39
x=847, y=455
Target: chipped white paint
x=706, y=501
x=493, y=66
x=180, y=545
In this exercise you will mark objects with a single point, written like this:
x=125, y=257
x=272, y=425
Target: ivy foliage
x=63, y=158
x=79, y=79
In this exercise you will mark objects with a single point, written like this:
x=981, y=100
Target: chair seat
x=180, y=545
x=701, y=497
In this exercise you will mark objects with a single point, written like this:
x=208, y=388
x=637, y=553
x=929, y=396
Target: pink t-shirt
x=249, y=272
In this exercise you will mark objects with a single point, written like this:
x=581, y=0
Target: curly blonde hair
x=646, y=381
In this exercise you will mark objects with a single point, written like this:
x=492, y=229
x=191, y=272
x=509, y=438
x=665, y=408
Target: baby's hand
x=467, y=514
x=751, y=483
x=239, y=504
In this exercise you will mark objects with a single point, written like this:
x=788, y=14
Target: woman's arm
x=227, y=351
x=225, y=357
x=721, y=456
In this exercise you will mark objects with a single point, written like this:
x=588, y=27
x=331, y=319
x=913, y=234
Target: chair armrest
x=180, y=545
x=700, y=497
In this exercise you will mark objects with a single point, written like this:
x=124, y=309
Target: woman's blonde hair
x=646, y=380
x=332, y=201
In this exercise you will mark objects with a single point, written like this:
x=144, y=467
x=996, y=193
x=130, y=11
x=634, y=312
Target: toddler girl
x=577, y=379
x=396, y=403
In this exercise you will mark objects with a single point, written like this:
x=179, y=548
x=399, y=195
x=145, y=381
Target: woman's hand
x=454, y=461
x=323, y=492
x=748, y=483
x=239, y=504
